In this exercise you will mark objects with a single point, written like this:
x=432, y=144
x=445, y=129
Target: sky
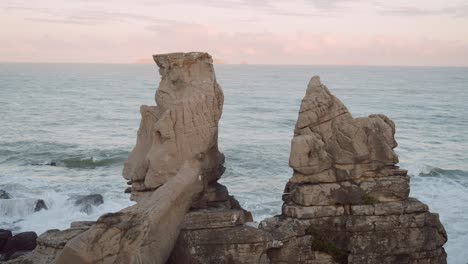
x=314, y=32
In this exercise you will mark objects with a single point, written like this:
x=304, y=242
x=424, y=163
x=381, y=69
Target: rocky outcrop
x=183, y=124
x=214, y=230
x=142, y=233
x=217, y=230
x=347, y=198
x=347, y=201
x=174, y=166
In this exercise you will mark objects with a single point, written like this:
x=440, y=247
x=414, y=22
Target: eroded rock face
x=347, y=198
x=142, y=233
x=183, y=124
x=214, y=230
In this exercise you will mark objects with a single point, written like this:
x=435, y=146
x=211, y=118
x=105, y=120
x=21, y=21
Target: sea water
x=83, y=118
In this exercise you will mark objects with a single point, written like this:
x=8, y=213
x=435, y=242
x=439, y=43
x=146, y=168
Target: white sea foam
x=20, y=215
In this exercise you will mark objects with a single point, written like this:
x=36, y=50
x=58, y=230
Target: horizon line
x=248, y=64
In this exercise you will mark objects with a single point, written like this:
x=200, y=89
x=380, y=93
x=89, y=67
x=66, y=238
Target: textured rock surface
x=214, y=230
x=142, y=233
x=218, y=233
x=183, y=124
x=347, y=198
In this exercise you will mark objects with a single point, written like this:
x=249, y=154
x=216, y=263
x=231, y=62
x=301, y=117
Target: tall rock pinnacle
x=184, y=123
x=347, y=198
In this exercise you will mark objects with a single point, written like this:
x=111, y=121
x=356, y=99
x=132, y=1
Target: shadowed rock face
x=184, y=123
x=347, y=198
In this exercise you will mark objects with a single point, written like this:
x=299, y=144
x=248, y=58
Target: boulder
x=40, y=205
x=19, y=243
x=51, y=243
x=4, y=236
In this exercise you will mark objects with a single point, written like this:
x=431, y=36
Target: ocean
x=84, y=119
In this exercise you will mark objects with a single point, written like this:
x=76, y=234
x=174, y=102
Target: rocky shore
x=346, y=202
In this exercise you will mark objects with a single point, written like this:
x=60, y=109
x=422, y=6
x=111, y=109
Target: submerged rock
x=4, y=194
x=21, y=207
x=40, y=205
x=87, y=202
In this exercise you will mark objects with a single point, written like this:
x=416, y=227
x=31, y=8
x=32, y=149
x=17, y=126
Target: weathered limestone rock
x=183, y=124
x=347, y=198
x=142, y=233
x=217, y=232
x=51, y=243
x=214, y=230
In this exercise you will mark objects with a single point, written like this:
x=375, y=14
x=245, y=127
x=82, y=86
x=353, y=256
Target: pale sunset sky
x=319, y=32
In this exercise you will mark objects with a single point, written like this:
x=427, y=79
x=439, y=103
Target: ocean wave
x=91, y=162
x=26, y=153
x=438, y=172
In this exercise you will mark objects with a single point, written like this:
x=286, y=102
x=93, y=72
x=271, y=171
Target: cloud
x=329, y=4
x=309, y=47
x=458, y=11
x=82, y=16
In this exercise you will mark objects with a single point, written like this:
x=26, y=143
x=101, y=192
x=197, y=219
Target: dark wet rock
x=40, y=204
x=4, y=236
x=4, y=195
x=18, y=245
x=86, y=202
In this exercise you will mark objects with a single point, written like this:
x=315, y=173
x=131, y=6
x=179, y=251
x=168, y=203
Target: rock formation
x=183, y=124
x=347, y=197
x=347, y=201
x=143, y=233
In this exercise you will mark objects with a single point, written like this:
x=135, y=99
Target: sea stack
x=182, y=124
x=347, y=197
x=347, y=201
